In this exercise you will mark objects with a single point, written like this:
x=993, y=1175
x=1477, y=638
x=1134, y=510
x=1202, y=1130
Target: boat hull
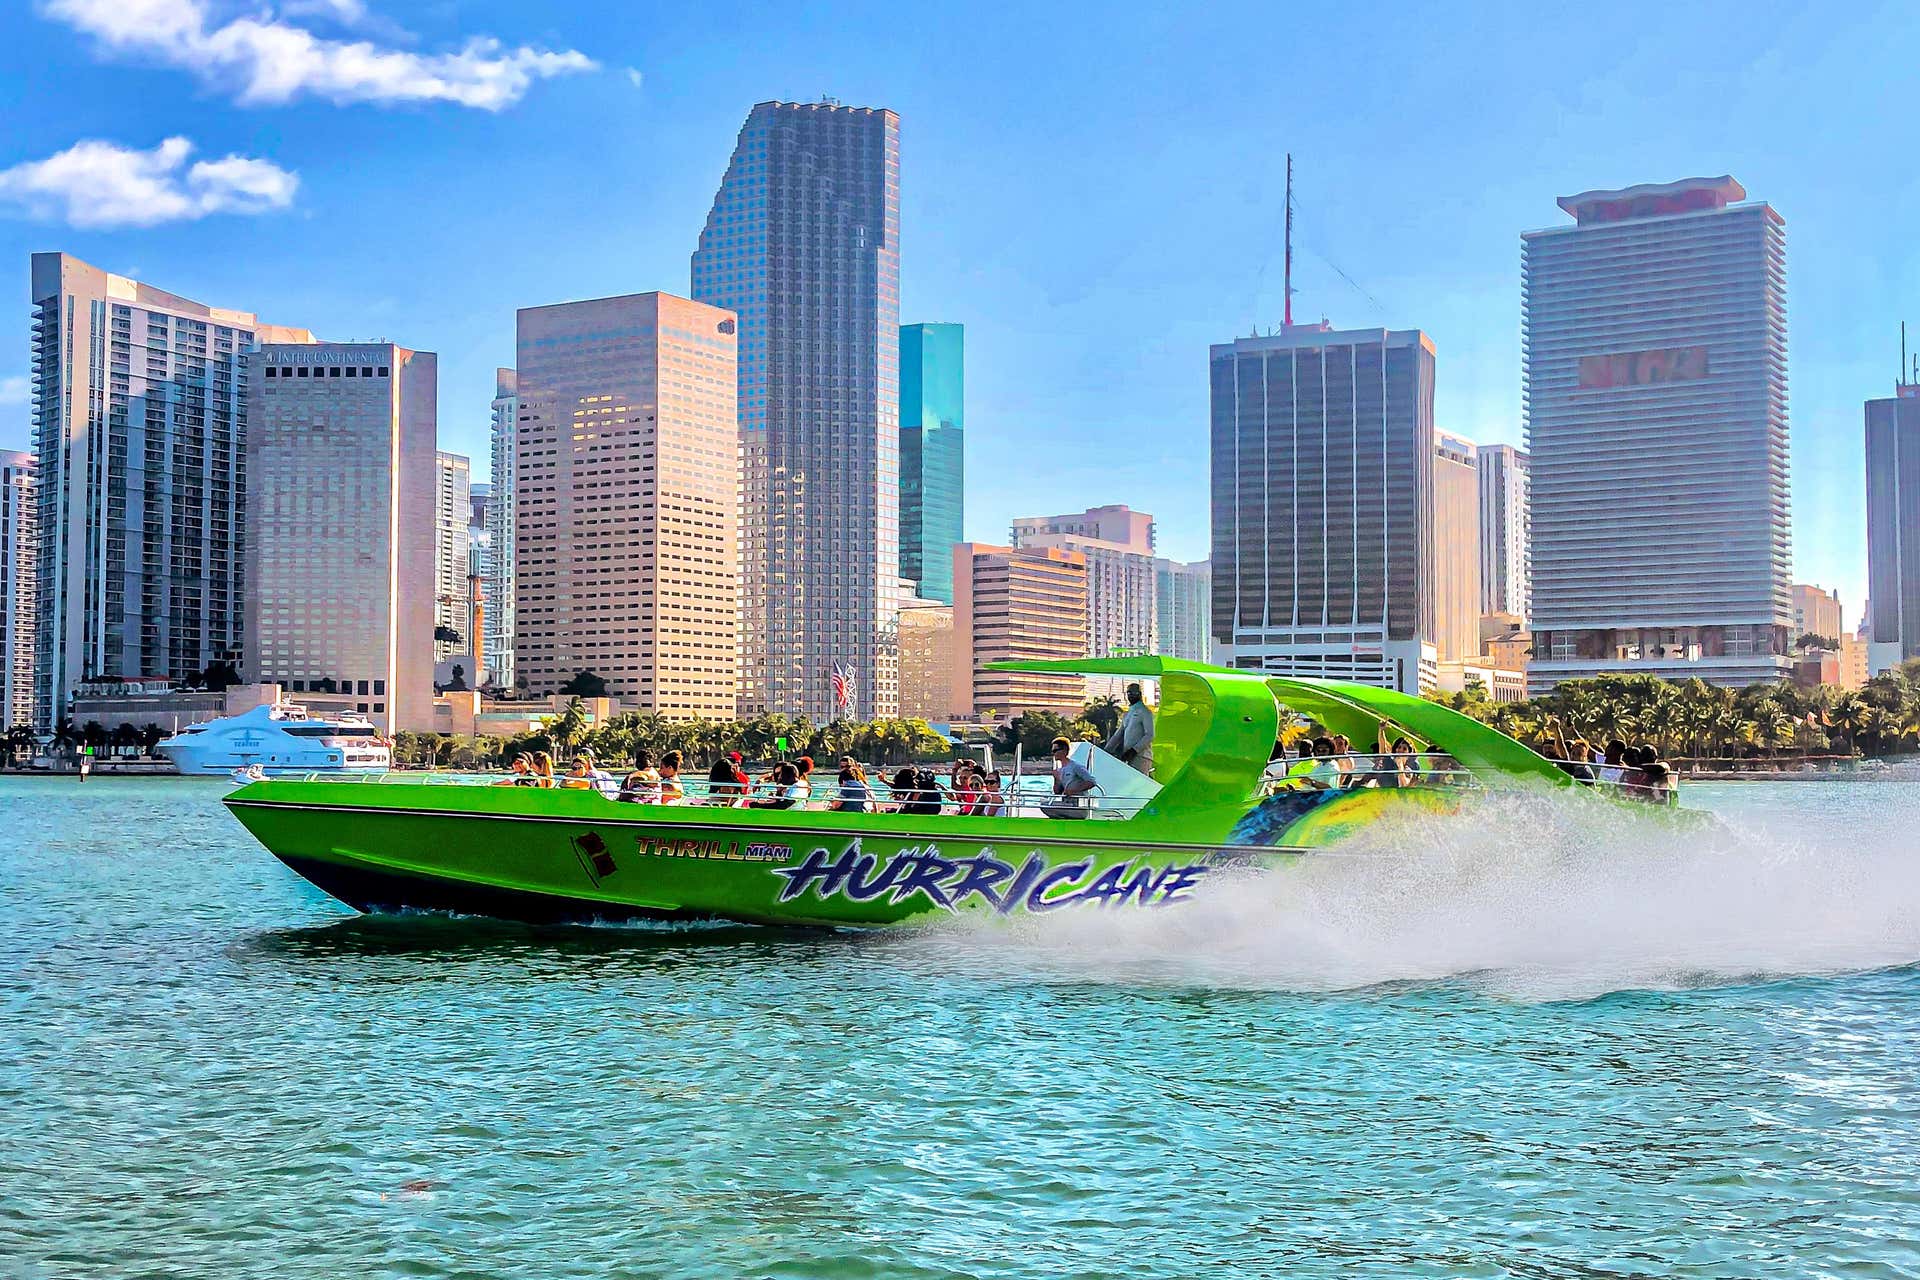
x=545, y=856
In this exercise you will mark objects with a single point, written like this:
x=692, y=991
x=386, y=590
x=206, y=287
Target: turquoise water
x=1553, y=1044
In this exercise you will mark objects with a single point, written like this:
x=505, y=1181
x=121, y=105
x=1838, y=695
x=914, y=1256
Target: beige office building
x=626, y=501
x=1817, y=612
x=17, y=577
x=1017, y=604
x=1456, y=549
x=340, y=525
x=452, y=511
x=926, y=660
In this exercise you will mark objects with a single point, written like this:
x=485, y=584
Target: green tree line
x=1695, y=720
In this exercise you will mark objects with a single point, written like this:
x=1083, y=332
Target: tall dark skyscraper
x=932, y=454
x=1323, y=492
x=1893, y=529
x=803, y=243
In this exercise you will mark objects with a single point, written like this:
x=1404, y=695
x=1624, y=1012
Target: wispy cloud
x=635, y=79
x=14, y=389
x=263, y=58
x=103, y=184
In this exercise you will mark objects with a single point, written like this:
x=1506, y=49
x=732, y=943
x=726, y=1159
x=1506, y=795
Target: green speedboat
x=556, y=855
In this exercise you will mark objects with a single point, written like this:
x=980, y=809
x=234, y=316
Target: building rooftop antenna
x=1287, y=284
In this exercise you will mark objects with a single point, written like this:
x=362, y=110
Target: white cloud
x=103, y=184
x=14, y=389
x=263, y=59
x=634, y=78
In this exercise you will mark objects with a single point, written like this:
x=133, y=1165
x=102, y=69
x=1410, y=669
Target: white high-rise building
x=1504, y=530
x=1182, y=599
x=626, y=502
x=17, y=570
x=139, y=427
x=1118, y=545
x=452, y=508
x=341, y=474
x=803, y=246
x=1456, y=548
x=497, y=639
x=1654, y=337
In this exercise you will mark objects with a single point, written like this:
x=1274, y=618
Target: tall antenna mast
x=1288, y=308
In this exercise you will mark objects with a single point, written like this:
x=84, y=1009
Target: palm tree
x=1104, y=713
x=1850, y=714
x=566, y=728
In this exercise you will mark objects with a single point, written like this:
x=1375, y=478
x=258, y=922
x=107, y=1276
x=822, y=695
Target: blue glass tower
x=932, y=454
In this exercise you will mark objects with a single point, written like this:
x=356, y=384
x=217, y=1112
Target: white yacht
x=276, y=740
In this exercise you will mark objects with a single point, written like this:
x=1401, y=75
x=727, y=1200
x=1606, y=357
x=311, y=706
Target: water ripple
x=1496, y=1064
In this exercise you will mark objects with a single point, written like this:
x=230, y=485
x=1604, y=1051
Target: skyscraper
x=1182, y=600
x=1654, y=340
x=498, y=637
x=17, y=570
x=341, y=477
x=626, y=484
x=1017, y=604
x=932, y=454
x=803, y=243
x=1504, y=530
x=139, y=421
x=1456, y=549
x=452, y=504
x=1117, y=543
x=1893, y=529
x=1323, y=491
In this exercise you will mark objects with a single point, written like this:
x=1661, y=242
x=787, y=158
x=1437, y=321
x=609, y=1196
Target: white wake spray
x=1528, y=896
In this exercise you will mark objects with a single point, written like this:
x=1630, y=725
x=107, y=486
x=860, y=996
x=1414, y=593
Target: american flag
x=843, y=688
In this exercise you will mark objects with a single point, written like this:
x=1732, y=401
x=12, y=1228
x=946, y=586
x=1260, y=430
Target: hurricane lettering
x=980, y=876
x=928, y=869
x=1036, y=897
x=953, y=883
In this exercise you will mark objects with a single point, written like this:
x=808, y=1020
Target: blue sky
x=1095, y=192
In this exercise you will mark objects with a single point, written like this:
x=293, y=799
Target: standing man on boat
x=1132, y=742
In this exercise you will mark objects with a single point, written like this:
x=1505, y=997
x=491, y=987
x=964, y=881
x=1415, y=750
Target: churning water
x=1553, y=1041
x=1539, y=897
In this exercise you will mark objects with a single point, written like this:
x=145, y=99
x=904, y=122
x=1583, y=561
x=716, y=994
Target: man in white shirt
x=1132, y=742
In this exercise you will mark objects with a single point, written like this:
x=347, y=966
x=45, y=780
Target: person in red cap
x=727, y=781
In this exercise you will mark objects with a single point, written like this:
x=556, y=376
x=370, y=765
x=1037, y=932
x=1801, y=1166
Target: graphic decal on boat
x=715, y=850
x=1035, y=885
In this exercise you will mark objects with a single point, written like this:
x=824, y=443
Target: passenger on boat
x=854, y=795
x=727, y=781
x=1324, y=774
x=1397, y=765
x=1613, y=765
x=1132, y=741
x=993, y=800
x=542, y=769
x=1072, y=784
x=803, y=766
x=968, y=788
x=1343, y=758
x=519, y=773
x=642, y=786
x=786, y=789
x=671, y=792
x=1571, y=757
